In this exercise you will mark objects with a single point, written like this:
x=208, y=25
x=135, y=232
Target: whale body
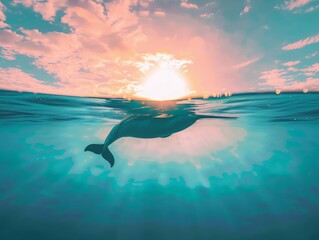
x=144, y=126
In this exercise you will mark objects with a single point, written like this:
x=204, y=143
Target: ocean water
x=239, y=167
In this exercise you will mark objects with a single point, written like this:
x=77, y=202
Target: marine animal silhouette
x=145, y=126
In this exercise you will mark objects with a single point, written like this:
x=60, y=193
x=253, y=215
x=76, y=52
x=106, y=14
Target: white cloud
x=311, y=9
x=312, y=55
x=266, y=27
x=206, y=15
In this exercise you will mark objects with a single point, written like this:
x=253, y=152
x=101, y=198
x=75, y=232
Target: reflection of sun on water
x=165, y=83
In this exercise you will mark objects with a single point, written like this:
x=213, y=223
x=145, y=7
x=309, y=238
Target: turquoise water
x=253, y=176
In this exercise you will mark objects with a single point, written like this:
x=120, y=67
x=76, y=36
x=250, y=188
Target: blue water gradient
x=254, y=177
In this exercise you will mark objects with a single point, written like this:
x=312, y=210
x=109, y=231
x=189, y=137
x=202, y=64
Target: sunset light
x=165, y=83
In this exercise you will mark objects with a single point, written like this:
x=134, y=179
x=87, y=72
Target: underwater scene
x=238, y=167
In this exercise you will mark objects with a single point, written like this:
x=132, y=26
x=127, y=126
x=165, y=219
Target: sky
x=109, y=48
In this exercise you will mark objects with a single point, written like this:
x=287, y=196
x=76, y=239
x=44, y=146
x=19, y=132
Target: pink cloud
x=245, y=10
x=47, y=9
x=98, y=57
x=310, y=84
x=27, y=3
x=247, y=63
x=279, y=78
x=89, y=56
x=17, y=80
x=145, y=3
x=275, y=77
x=3, y=24
x=2, y=16
x=144, y=13
x=290, y=64
x=9, y=55
x=188, y=5
x=8, y=37
x=160, y=13
x=21, y=81
x=292, y=69
x=301, y=43
x=292, y=4
x=312, y=70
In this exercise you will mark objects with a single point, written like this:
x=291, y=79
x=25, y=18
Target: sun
x=165, y=83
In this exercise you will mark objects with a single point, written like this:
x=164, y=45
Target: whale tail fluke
x=108, y=156
x=100, y=149
x=95, y=148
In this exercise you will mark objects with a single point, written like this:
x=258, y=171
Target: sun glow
x=165, y=83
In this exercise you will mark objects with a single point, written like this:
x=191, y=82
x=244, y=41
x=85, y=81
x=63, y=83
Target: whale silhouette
x=146, y=126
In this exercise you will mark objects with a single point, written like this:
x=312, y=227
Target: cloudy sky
x=107, y=48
